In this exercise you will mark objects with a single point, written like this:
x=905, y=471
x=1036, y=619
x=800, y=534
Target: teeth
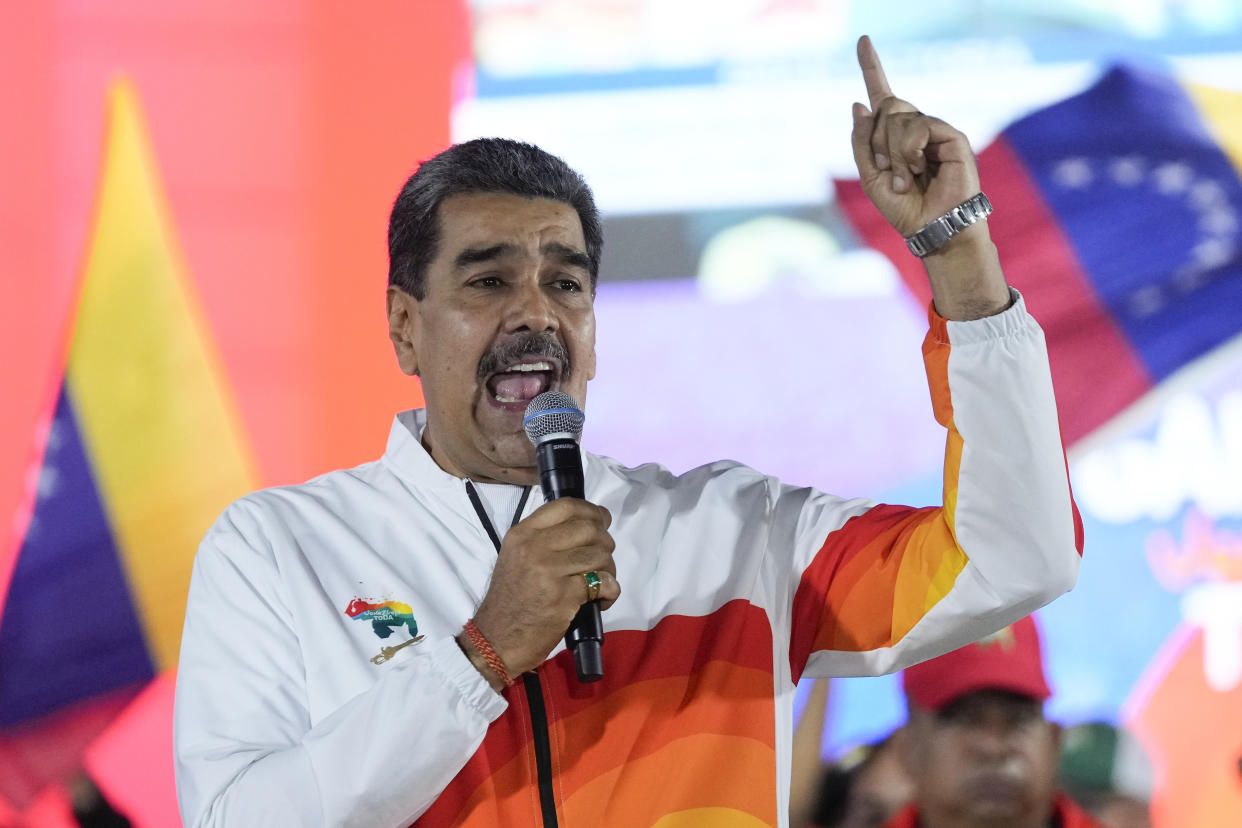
x=533, y=366
x=503, y=399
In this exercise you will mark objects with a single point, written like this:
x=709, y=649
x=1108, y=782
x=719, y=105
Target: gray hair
x=484, y=165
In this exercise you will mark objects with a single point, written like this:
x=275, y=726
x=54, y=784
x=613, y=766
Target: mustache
x=524, y=345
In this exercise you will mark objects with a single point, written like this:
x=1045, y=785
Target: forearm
x=966, y=278
x=1006, y=486
x=894, y=585
x=276, y=725
x=380, y=759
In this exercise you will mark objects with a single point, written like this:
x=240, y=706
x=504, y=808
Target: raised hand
x=913, y=167
x=538, y=584
x=916, y=168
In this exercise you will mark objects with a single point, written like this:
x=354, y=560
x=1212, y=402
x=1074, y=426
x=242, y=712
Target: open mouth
x=522, y=381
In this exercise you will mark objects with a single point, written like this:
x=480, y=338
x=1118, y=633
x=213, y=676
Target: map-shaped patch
x=384, y=617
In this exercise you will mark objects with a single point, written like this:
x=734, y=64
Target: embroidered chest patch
x=384, y=617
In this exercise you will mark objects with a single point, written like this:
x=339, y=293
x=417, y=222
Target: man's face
x=881, y=787
x=986, y=759
x=508, y=313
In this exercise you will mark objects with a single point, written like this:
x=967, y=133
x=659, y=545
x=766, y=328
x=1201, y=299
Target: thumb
x=860, y=141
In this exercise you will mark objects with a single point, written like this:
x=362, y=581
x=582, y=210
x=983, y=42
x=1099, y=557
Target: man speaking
x=382, y=646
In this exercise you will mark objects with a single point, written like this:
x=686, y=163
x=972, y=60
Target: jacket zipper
x=530, y=683
x=543, y=747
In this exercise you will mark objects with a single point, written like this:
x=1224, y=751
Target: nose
x=530, y=308
x=992, y=738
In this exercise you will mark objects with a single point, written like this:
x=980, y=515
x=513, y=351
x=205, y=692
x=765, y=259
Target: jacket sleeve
x=246, y=750
x=881, y=587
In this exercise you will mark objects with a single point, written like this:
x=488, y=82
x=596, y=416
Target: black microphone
x=553, y=423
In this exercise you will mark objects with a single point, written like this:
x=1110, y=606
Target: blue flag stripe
x=69, y=630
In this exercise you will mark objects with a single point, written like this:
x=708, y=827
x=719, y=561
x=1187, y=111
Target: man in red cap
x=978, y=746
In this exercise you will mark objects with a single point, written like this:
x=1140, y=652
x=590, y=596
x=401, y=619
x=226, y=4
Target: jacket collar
x=409, y=461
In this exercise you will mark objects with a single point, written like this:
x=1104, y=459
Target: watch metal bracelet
x=933, y=235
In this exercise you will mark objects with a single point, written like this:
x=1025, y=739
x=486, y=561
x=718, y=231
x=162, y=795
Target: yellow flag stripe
x=1222, y=112
x=160, y=427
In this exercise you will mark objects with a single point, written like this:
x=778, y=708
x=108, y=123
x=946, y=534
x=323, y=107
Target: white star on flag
x=48, y=483
x=1219, y=222
x=1211, y=253
x=1207, y=194
x=1073, y=173
x=1146, y=301
x=1173, y=177
x=1127, y=171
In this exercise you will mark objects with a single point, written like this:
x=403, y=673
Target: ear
x=907, y=741
x=899, y=739
x=590, y=364
x=402, y=325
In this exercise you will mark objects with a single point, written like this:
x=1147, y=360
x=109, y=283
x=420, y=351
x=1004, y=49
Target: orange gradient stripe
x=729, y=776
x=879, y=574
x=688, y=682
x=643, y=719
x=611, y=760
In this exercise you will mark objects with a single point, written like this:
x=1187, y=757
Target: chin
x=513, y=454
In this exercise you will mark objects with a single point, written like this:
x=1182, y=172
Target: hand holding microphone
x=553, y=423
x=540, y=586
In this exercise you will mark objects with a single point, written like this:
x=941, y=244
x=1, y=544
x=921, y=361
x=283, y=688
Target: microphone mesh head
x=553, y=412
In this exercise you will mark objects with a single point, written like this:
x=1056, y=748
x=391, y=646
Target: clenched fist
x=538, y=584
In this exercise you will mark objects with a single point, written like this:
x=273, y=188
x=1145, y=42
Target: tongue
x=517, y=387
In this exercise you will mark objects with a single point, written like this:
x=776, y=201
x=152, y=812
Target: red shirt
x=1065, y=814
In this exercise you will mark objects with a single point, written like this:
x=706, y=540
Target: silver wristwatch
x=935, y=233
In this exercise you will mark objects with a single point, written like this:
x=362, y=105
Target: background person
x=1107, y=771
x=978, y=746
x=862, y=789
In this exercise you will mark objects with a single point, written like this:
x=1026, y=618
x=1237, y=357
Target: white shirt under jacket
x=283, y=718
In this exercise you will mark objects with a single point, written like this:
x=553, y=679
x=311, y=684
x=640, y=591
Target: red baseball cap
x=1006, y=660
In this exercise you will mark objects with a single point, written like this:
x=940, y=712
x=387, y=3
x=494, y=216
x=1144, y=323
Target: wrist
x=966, y=278
x=496, y=680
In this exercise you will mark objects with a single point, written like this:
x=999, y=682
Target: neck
x=513, y=476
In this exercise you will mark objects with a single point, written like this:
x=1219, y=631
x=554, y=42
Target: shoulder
x=657, y=474
x=726, y=484
x=277, y=509
x=720, y=477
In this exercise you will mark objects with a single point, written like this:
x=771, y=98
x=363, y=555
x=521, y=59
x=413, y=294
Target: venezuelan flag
x=1119, y=217
x=143, y=449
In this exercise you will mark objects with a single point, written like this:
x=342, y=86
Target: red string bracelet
x=488, y=652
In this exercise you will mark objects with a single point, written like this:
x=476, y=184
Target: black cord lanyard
x=477, y=502
x=530, y=681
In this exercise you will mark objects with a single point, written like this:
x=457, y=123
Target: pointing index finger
x=873, y=72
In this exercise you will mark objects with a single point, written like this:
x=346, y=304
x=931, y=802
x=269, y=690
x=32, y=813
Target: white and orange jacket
x=735, y=586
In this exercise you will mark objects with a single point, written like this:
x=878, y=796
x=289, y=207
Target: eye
x=1024, y=716
x=568, y=284
x=487, y=281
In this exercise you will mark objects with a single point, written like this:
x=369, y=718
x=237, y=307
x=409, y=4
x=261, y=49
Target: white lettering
x=1191, y=459
x=1217, y=608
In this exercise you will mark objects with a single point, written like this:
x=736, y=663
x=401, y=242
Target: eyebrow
x=568, y=255
x=474, y=255
x=563, y=252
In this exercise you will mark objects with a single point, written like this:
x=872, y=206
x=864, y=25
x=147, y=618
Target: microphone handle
x=584, y=638
x=560, y=475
